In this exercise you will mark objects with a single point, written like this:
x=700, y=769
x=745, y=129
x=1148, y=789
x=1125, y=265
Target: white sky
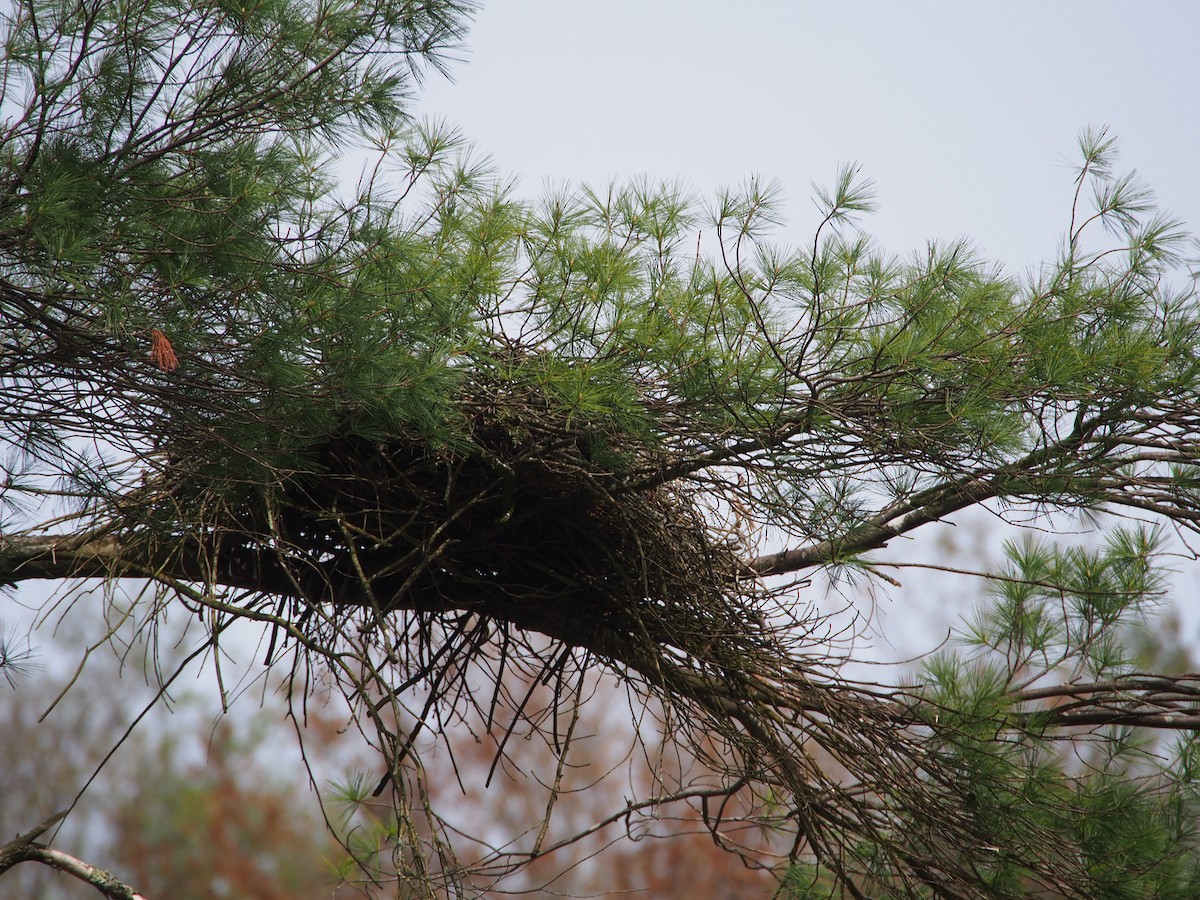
x=964, y=114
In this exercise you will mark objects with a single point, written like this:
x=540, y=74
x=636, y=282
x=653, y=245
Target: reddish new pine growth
x=162, y=354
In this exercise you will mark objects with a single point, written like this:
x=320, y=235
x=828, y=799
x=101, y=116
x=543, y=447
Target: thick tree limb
x=28, y=838
x=879, y=530
x=1020, y=478
x=25, y=557
x=1148, y=701
x=25, y=848
x=101, y=880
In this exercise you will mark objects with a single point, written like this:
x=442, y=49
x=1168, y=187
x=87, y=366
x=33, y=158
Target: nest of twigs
x=532, y=517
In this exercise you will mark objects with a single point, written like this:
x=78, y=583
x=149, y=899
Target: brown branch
x=1157, y=720
x=25, y=848
x=1187, y=685
x=25, y=557
x=1017, y=478
x=27, y=838
x=84, y=555
x=877, y=531
x=1146, y=701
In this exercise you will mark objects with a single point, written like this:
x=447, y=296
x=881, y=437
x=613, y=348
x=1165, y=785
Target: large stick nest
x=530, y=517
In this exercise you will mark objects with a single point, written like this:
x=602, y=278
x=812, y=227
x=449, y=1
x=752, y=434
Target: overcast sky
x=965, y=115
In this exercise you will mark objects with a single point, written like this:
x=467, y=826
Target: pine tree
x=429, y=437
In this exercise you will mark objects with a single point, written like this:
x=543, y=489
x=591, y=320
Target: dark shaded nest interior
x=531, y=518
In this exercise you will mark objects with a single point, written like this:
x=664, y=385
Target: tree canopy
x=435, y=440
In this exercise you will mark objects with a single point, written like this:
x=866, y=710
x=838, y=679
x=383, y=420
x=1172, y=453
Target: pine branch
x=1147, y=701
x=888, y=524
x=25, y=848
x=1083, y=462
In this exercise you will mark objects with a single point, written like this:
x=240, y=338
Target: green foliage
x=1061, y=607
x=152, y=208
x=805, y=881
x=369, y=833
x=1058, y=614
